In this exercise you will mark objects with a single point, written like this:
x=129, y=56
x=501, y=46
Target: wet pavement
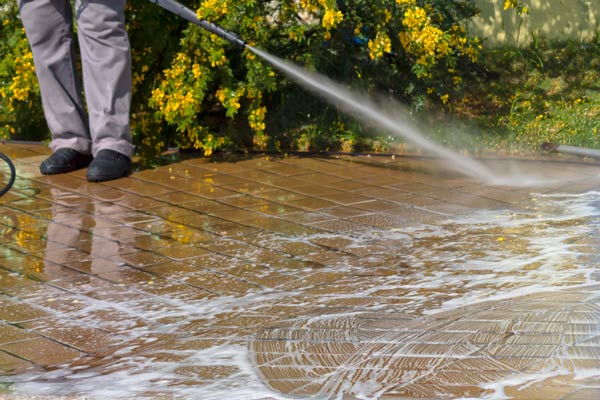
x=301, y=277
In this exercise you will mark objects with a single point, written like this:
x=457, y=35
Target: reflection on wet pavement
x=300, y=277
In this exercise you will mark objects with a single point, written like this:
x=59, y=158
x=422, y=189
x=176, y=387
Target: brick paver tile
x=10, y=364
x=325, y=277
x=42, y=351
x=10, y=334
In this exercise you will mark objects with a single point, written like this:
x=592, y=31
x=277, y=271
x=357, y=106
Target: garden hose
x=7, y=174
x=571, y=150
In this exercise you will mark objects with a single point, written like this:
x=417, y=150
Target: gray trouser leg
x=106, y=64
x=106, y=61
x=48, y=25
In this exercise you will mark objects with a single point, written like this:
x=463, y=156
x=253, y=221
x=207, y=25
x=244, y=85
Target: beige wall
x=574, y=19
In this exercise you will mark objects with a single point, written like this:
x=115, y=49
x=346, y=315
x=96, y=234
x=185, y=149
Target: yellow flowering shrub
x=411, y=47
x=19, y=91
x=196, y=91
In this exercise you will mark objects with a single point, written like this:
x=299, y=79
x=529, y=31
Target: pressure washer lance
x=184, y=12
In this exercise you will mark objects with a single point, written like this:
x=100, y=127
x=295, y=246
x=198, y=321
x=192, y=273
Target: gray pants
x=106, y=66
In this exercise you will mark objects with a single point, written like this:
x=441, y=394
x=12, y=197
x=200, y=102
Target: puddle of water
x=426, y=271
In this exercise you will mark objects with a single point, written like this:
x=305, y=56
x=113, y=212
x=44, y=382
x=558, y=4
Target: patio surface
x=290, y=277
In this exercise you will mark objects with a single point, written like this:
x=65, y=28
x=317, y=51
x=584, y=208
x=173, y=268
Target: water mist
x=364, y=109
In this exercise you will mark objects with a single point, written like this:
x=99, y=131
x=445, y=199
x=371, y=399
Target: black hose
x=13, y=174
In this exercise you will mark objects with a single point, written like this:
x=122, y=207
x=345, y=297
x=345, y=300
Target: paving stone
x=584, y=394
x=70, y=333
x=10, y=364
x=312, y=203
x=42, y=351
x=207, y=373
x=327, y=277
x=10, y=280
x=11, y=333
x=263, y=276
x=15, y=312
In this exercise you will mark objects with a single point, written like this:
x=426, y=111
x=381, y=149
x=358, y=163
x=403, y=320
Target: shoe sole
x=107, y=177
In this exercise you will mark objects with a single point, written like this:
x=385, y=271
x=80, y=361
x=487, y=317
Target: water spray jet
x=395, y=121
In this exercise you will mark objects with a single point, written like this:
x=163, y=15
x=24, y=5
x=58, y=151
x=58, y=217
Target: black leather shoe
x=108, y=165
x=64, y=160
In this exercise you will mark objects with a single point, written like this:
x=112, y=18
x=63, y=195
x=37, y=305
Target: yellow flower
x=379, y=46
x=509, y=4
x=332, y=18
x=212, y=9
x=426, y=42
x=414, y=18
x=220, y=94
x=387, y=16
x=256, y=119
x=196, y=71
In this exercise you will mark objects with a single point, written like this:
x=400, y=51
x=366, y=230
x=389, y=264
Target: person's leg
x=49, y=26
x=106, y=64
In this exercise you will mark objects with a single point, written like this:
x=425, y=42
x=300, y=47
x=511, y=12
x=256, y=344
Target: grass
x=548, y=92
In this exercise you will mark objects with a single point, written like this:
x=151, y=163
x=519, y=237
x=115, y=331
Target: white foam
x=521, y=381
x=438, y=268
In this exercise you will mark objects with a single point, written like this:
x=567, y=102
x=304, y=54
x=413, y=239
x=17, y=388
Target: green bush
x=196, y=91
x=20, y=107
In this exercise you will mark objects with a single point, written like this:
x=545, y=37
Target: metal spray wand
x=184, y=12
